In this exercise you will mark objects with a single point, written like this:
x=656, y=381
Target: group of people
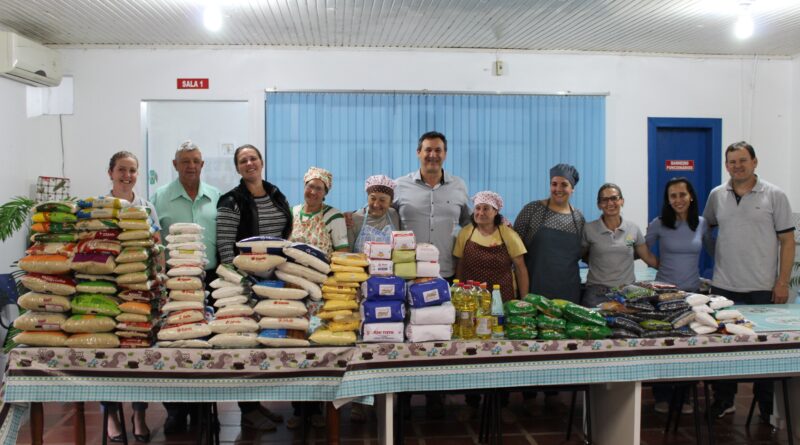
x=539, y=253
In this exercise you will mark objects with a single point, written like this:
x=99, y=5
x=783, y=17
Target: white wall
x=751, y=97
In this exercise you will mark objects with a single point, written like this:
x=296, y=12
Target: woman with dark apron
x=376, y=221
x=551, y=230
x=487, y=250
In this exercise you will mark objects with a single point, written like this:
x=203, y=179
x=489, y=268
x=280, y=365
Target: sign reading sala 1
x=192, y=84
x=680, y=165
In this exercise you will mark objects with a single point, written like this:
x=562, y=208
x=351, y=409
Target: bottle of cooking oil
x=456, y=296
x=466, y=313
x=484, y=319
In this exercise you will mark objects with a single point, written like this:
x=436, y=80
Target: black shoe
x=143, y=438
x=720, y=408
x=174, y=425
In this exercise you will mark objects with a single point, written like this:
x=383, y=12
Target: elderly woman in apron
x=487, y=250
x=377, y=219
x=552, y=231
x=315, y=222
x=322, y=226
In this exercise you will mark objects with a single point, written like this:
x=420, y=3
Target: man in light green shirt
x=189, y=200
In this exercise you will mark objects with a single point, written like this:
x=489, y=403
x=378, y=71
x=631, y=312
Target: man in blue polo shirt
x=753, y=253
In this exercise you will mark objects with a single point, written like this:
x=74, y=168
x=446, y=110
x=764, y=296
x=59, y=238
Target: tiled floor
x=546, y=427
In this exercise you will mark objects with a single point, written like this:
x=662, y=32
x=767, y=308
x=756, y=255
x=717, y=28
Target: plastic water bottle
x=497, y=312
x=484, y=320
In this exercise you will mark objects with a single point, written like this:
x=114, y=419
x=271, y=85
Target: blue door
x=687, y=147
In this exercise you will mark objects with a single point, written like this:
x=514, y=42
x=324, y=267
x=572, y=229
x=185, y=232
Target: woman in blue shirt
x=678, y=233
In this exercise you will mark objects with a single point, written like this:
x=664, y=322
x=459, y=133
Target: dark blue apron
x=552, y=261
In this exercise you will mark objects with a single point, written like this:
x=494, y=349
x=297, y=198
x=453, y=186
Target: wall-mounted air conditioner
x=28, y=62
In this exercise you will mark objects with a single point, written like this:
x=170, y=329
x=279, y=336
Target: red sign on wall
x=680, y=165
x=192, y=84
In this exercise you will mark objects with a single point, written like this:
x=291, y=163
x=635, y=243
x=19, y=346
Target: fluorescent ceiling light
x=212, y=18
x=744, y=26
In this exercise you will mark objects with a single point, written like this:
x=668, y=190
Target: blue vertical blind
x=504, y=143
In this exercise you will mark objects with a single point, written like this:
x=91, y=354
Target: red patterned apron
x=489, y=264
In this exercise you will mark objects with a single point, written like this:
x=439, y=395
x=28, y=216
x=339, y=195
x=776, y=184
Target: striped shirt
x=270, y=223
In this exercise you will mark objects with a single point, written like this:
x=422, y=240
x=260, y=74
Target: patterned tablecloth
x=341, y=374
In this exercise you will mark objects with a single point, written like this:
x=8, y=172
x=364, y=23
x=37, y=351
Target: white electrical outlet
x=499, y=68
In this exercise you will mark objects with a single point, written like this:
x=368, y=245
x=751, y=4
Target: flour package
x=403, y=240
x=384, y=288
x=429, y=293
x=378, y=251
x=383, y=311
x=383, y=332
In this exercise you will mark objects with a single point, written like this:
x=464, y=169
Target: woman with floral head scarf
x=376, y=220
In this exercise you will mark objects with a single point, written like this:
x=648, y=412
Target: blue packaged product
x=429, y=293
x=385, y=288
x=383, y=311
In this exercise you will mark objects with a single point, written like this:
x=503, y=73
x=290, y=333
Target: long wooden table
x=614, y=368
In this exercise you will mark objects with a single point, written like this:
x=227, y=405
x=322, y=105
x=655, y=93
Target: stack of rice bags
x=648, y=310
x=48, y=276
x=283, y=312
x=340, y=291
x=184, y=323
x=432, y=313
x=137, y=279
x=234, y=322
x=96, y=303
x=711, y=316
x=404, y=256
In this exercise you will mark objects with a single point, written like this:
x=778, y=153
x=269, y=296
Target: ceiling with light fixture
x=643, y=26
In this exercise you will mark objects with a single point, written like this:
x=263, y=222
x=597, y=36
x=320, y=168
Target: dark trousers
x=725, y=391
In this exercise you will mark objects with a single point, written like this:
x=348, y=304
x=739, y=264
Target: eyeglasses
x=608, y=199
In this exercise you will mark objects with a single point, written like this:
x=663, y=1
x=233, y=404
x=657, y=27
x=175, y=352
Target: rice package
x=40, y=321
x=185, y=228
x=404, y=240
x=407, y=271
x=427, y=252
x=377, y=250
x=260, y=265
x=35, y=301
x=314, y=290
x=229, y=273
x=262, y=244
x=93, y=263
x=427, y=269
x=89, y=323
x=404, y=256
x=41, y=339
x=305, y=272
x=327, y=337
x=381, y=267
x=233, y=340
x=296, y=323
x=53, y=284
x=384, y=311
x=277, y=289
x=442, y=314
x=185, y=331
x=383, y=332
x=280, y=308
x=308, y=255
x=96, y=304
x=233, y=324
x=436, y=332
x=384, y=288
x=95, y=340
x=288, y=338
x=45, y=264
x=429, y=293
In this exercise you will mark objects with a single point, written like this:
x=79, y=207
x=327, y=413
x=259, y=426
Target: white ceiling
x=642, y=26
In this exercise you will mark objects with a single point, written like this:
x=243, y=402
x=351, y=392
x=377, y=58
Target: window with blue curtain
x=500, y=142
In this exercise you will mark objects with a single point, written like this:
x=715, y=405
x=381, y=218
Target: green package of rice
x=544, y=321
x=521, y=320
x=548, y=334
x=580, y=314
x=519, y=307
x=544, y=305
x=587, y=331
x=94, y=304
x=516, y=332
